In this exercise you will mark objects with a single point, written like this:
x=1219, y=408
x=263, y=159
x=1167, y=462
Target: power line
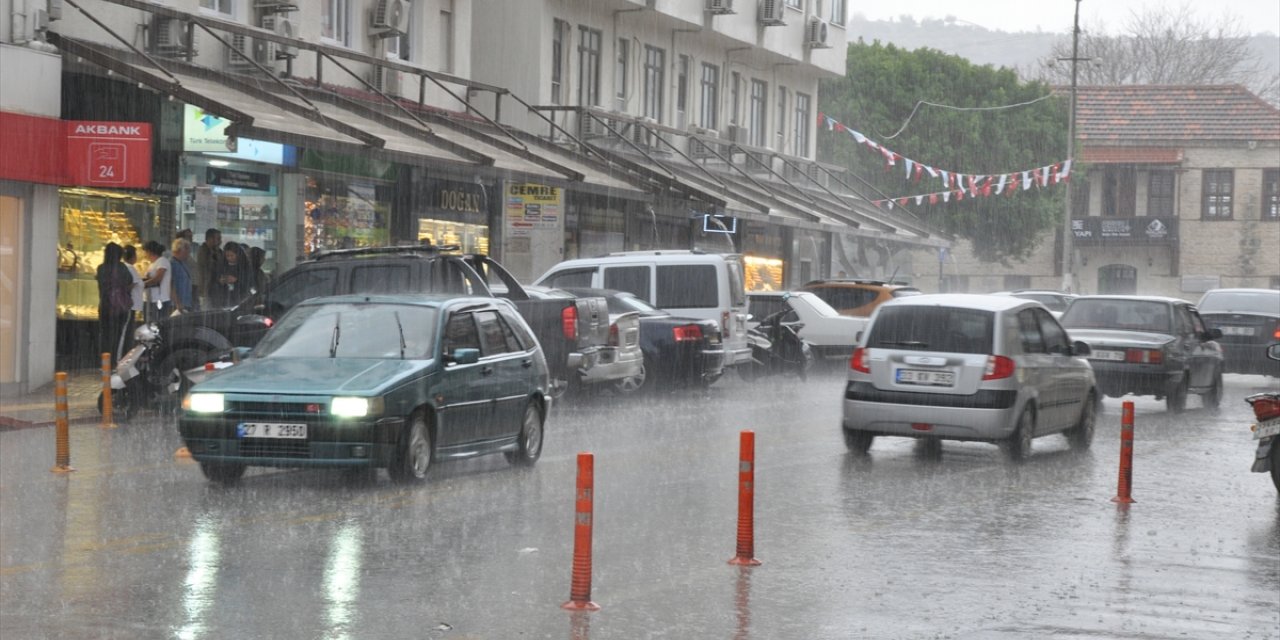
x=954, y=108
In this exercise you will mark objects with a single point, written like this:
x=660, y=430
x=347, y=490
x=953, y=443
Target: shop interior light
x=218, y=163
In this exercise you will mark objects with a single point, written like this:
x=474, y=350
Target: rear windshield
x=1240, y=302
x=945, y=329
x=905, y=291
x=1127, y=315
x=687, y=286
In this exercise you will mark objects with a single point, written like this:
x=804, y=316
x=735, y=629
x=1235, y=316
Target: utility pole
x=1068, y=259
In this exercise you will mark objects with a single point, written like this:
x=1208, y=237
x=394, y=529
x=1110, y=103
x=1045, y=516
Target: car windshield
x=1107, y=313
x=352, y=330
x=929, y=328
x=1240, y=302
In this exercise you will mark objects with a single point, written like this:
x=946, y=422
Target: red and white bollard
x=1124, y=486
x=580, y=583
x=746, y=500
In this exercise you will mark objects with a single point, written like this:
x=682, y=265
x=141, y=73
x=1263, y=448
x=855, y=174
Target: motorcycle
x=140, y=381
x=1266, y=408
x=777, y=348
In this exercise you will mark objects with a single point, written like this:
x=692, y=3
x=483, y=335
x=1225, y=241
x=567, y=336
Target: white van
x=686, y=283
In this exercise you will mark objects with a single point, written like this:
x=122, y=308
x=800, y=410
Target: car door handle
x=526, y=363
x=486, y=370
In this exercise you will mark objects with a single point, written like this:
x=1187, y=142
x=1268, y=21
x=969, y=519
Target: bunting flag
x=953, y=182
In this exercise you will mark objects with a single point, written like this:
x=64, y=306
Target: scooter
x=777, y=348
x=139, y=381
x=1266, y=408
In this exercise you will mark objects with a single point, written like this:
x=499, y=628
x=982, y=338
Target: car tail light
x=268, y=322
x=859, y=361
x=998, y=368
x=724, y=324
x=613, y=335
x=1265, y=407
x=1144, y=356
x=1276, y=335
x=687, y=333
x=569, y=322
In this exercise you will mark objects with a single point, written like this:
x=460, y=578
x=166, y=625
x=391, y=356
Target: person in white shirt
x=135, y=292
x=158, y=281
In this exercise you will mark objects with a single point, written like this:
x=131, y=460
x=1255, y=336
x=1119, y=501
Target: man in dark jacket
x=208, y=259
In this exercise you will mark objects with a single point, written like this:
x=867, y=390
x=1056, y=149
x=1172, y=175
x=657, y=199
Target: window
x=803, y=119
x=301, y=286
x=761, y=307
x=589, y=42
x=1029, y=331
x=492, y=338
x=1218, y=185
x=1119, y=191
x=461, y=333
x=794, y=4
x=1055, y=337
x=682, y=85
x=782, y=118
x=631, y=279
x=654, y=71
x=620, y=79
x=757, y=120
x=1079, y=197
x=710, y=96
x=380, y=279
x=558, y=30
x=1160, y=193
x=570, y=279
x=735, y=97
x=514, y=324
x=1271, y=194
x=838, y=11
x=1015, y=282
x=335, y=20
x=915, y=328
x=687, y=287
x=221, y=6
x=445, y=55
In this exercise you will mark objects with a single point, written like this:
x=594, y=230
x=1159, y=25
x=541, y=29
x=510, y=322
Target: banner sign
x=108, y=154
x=1137, y=230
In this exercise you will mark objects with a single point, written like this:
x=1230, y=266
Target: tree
x=876, y=96
x=1162, y=46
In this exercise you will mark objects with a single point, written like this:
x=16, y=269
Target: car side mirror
x=1212, y=334
x=1273, y=351
x=1081, y=349
x=463, y=356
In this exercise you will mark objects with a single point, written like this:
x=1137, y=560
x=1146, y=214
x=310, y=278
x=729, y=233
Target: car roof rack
x=410, y=249
x=857, y=281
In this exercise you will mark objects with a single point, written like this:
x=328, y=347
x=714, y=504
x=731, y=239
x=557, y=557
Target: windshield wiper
x=337, y=334
x=905, y=343
x=401, y=328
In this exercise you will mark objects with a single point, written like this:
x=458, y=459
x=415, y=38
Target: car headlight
x=146, y=332
x=345, y=407
x=205, y=403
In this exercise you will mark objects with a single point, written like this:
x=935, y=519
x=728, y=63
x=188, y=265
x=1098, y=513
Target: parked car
x=678, y=351
x=1149, y=345
x=375, y=381
x=1055, y=301
x=968, y=367
x=1250, y=321
x=830, y=335
x=858, y=298
x=619, y=365
x=689, y=284
x=569, y=331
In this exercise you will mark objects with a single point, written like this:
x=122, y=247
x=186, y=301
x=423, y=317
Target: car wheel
x=635, y=384
x=1212, y=399
x=223, y=473
x=858, y=442
x=1081, y=435
x=1176, y=401
x=530, y=445
x=413, y=455
x=1018, y=446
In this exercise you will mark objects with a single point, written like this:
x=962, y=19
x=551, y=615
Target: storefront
x=445, y=212
x=809, y=255
x=347, y=201
x=596, y=225
x=762, y=256
x=88, y=220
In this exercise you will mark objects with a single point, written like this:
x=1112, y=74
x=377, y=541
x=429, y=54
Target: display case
x=341, y=214
x=471, y=238
x=89, y=220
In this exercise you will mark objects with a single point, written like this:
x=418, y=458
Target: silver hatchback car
x=968, y=367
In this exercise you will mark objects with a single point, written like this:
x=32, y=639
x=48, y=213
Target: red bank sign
x=75, y=152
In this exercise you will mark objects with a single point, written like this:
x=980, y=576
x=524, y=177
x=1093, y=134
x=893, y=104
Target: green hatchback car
x=393, y=381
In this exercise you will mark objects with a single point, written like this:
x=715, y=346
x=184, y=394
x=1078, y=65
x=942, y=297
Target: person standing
x=182, y=297
x=159, y=281
x=257, y=258
x=234, y=276
x=208, y=259
x=135, y=293
x=115, y=303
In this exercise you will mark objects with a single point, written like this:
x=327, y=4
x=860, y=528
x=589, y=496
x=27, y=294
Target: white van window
x=580, y=278
x=737, y=290
x=630, y=279
x=688, y=286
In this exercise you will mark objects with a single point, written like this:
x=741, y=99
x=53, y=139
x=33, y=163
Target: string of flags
x=956, y=185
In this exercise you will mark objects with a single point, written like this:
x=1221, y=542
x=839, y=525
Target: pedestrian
x=159, y=281
x=208, y=257
x=115, y=302
x=257, y=258
x=135, y=293
x=183, y=300
x=233, y=277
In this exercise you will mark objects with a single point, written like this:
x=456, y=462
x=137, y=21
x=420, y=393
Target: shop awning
x=1131, y=155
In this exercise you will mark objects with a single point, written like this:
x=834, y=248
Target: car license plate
x=1267, y=429
x=931, y=378
x=1117, y=356
x=271, y=430
x=1237, y=331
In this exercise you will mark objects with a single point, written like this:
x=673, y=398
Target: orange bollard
x=580, y=584
x=62, y=451
x=107, y=421
x=746, y=500
x=1124, y=487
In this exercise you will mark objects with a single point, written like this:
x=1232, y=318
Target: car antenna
x=894, y=274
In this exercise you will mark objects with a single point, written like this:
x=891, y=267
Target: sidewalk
x=36, y=409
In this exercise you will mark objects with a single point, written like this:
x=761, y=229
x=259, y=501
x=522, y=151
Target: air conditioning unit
x=738, y=134
x=280, y=26
x=168, y=36
x=642, y=135
x=816, y=36
x=589, y=127
x=816, y=174
x=275, y=6
x=390, y=19
x=720, y=7
x=385, y=80
x=771, y=13
x=699, y=148
x=240, y=52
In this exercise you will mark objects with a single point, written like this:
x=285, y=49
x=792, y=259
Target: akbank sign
x=207, y=133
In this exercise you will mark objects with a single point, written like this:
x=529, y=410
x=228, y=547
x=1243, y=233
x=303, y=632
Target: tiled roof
x=1181, y=113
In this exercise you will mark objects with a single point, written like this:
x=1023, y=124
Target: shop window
x=471, y=238
x=1271, y=194
x=89, y=220
x=1160, y=193
x=632, y=279
x=763, y=274
x=1217, y=194
x=380, y=279
x=343, y=214
x=687, y=287
x=12, y=256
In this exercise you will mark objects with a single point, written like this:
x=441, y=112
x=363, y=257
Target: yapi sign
x=108, y=154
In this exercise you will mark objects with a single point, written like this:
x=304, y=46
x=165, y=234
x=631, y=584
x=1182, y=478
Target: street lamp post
x=1068, y=262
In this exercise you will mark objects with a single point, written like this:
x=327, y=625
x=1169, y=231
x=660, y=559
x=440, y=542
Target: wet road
x=908, y=543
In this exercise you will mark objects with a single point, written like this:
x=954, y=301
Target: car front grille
x=273, y=448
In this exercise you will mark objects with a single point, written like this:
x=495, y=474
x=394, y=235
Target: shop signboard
x=109, y=154
x=1153, y=230
x=467, y=198
x=532, y=207
x=224, y=177
x=207, y=133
